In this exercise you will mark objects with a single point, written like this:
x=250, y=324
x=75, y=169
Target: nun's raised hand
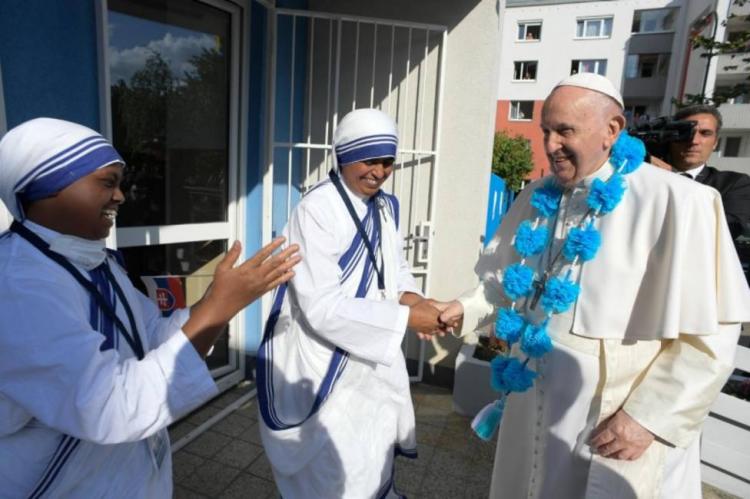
x=235, y=287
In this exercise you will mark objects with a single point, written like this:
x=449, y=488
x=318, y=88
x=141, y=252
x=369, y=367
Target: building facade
x=730, y=70
x=642, y=46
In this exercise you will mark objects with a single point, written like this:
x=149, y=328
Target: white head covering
x=364, y=134
x=41, y=157
x=595, y=82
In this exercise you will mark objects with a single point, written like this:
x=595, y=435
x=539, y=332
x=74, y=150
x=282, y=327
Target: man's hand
x=452, y=314
x=234, y=288
x=621, y=437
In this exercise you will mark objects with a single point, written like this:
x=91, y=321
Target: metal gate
x=325, y=65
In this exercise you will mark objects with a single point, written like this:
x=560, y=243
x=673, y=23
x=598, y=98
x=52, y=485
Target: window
x=653, y=21
x=598, y=66
x=524, y=70
x=595, y=27
x=530, y=31
x=646, y=65
x=636, y=114
x=521, y=110
x=732, y=147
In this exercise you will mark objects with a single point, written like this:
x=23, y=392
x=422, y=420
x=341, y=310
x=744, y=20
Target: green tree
x=511, y=159
x=739, y=49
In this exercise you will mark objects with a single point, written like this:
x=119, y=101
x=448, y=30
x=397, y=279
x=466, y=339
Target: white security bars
x=325, y=65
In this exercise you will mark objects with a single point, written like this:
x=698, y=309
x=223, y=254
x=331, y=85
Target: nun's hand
x=424, y=319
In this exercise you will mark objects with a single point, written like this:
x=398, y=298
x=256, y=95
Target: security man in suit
x=689, y=159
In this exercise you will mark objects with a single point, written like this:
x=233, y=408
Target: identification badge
x=158, y=445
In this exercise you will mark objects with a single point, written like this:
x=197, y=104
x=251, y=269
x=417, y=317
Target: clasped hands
x=427, y=317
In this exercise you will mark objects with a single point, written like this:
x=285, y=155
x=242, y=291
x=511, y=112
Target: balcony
x=644, y=88
x=735, y=116
x=732, y=68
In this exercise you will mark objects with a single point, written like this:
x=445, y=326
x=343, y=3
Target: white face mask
x=86, y=253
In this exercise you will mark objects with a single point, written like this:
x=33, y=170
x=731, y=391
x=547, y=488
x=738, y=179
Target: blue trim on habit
x=100, y=155
x=103, y=324
x=394, y=206
x=383, y=137
x=63, y=452
x=58, y=158
x=379, y=150
x=338, y=359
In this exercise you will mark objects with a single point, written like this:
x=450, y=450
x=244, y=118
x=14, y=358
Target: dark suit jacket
x=734, y=188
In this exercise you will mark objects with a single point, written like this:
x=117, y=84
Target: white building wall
x=559, y=45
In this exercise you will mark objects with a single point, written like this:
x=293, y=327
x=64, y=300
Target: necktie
x=687, y=175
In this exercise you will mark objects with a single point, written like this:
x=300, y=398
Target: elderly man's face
x=579, y=128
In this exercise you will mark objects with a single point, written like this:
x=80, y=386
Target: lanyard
x=379, y=271
x=135, y=340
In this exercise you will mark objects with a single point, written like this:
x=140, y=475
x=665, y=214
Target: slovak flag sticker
x=168, y=292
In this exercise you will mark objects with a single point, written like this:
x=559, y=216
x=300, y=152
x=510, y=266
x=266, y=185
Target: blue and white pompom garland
x=509, y=374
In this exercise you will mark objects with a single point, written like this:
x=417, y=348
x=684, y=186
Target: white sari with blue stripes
x=333, y=386
x=77, y=409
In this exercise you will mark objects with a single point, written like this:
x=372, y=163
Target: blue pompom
x=535, y=341
x=517, y=281
x=559, y=294
x=605, y=196
x=487, y=421
x=583, y=243
x=530, y=241
x=510, y=375
x=628, y=152
x=546, y=199
x=509, y=325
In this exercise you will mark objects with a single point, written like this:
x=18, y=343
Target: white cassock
x=80, y=416
x=334, y=342
x=653, y=332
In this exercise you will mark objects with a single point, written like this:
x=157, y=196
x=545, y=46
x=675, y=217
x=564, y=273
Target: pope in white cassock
x=637, y=359
x=91, y=374
x=333, y=388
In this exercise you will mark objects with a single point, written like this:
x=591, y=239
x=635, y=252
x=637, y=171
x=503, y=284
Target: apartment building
x=733, y=150
x=643, y=46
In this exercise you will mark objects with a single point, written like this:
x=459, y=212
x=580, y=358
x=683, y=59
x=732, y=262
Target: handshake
x=428, y=317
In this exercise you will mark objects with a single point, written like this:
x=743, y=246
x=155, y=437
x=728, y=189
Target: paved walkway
x=228, y=461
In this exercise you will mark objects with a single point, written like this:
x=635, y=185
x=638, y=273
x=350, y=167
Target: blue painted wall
x=498, y=204
x=257, y=140
x=48, y=52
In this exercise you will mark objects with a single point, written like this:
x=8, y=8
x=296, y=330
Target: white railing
x=725, y=445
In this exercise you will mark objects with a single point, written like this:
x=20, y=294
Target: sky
x=132, y=40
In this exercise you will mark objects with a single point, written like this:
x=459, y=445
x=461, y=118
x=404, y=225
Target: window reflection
x=178, y=275
x=170, y=119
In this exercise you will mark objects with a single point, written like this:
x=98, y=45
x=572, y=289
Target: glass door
x=173, y=71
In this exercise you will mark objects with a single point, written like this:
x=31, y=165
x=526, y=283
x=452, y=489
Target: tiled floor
x=228, y=461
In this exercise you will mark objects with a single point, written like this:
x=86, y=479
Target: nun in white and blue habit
x=333, y=388
x=90, y=373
